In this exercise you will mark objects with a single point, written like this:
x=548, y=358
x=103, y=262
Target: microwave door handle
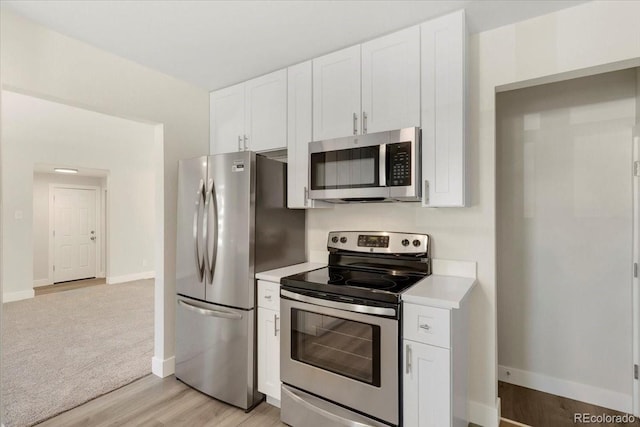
x=382, y=170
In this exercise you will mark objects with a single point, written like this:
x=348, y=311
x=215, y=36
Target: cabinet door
x=269, y=352
x=299, y=116
x=227, y=119
x=443, y=110
x=426, y=385
x=336, y=94
x=266, y=112
x=391, y=82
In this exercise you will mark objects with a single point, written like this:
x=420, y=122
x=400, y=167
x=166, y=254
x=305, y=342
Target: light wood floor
x=153, y=401
x=67, y=286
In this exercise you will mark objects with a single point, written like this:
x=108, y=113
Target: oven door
x=337, y=351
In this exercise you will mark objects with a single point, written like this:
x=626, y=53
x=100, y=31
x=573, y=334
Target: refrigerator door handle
x=209, y=312
x=200, y=201
x=210, y=259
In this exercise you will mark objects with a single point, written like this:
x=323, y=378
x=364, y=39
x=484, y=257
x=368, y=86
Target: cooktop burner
x=358, y=283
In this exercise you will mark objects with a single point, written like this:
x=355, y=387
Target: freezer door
x=215, y=351
x=230, y=221
x=190, y=256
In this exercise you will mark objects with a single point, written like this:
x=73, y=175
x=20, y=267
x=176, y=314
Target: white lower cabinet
x=427, y=385
x=269, y=340
x=434, y=367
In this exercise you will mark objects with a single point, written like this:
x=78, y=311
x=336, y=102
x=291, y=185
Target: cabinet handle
x=408, y=358
x=355, y=124
x=275, y=325
x=267, y=297
x=425, y=327
x=306, y=196
x=239, y=143
x=364, y=122
x=245, y=142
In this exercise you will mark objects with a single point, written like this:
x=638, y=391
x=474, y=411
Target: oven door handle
x=358, y=308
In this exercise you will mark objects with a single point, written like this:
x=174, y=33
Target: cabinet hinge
x=635, y=371
x=636, y=168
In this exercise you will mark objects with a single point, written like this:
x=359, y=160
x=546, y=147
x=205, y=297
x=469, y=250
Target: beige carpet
x=61, y=350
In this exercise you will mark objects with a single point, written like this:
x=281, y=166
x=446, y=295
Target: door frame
x=98, y=199
x=635, y=279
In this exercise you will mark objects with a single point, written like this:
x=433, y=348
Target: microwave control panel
x=399, y=164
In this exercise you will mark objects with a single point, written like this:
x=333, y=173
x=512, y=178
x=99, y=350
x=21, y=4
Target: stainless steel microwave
x=376, y=167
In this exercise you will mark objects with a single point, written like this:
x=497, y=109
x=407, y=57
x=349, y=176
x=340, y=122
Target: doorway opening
x=69, y=225
x=565, y=237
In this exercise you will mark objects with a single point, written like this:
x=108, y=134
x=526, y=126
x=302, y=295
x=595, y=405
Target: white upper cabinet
x=266, y=111
x=250, y=116
x=443, y=110
x=299, y=134
x=391, y=82
x=227, y=119
x=336, y=94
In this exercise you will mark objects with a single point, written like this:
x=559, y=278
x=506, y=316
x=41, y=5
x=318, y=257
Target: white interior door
x=74, y=234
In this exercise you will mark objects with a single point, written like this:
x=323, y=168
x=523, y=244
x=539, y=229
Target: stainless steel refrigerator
x=233, y=222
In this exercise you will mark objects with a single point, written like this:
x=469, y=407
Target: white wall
x=565, y=237
x=38, y=131
x=41, y=235
x=594, y=34
x=38, y=61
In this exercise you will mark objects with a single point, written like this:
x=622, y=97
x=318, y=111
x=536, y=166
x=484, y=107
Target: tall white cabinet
x=443, y=59
x=299, y=134
x=250, y=116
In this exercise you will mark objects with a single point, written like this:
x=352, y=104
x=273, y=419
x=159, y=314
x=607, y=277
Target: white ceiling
x=214, y=44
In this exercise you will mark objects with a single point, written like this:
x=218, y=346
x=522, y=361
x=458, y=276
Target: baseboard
x=449, y=267
x=163, y=368
x=131, y=277
x=41, y=282
x=273, y=401
x=17, y=296
x=569, y=389
x=484, y=415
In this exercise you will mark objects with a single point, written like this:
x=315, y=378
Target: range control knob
x=416, y=243
x=343, y=240
x=334, y=239
x=405, y=242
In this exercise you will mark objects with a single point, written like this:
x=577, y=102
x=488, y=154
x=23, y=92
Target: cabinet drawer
x=269, y=295
x=428, y=325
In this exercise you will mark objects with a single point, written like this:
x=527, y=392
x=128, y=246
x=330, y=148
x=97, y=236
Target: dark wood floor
x=153, y=401
x=539, y=409
x=67, y=286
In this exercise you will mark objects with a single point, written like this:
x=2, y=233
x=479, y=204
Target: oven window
x=341, y=346
x=352, y=168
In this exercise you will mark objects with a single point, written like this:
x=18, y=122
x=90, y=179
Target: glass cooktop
x=358, y=283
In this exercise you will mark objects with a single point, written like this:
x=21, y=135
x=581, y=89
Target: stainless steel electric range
x=340, y=326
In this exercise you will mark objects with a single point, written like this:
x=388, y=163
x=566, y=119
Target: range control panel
x=379, y=242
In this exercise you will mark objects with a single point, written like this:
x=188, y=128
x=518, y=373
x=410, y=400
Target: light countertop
x=439, y=291
x=279, y=273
